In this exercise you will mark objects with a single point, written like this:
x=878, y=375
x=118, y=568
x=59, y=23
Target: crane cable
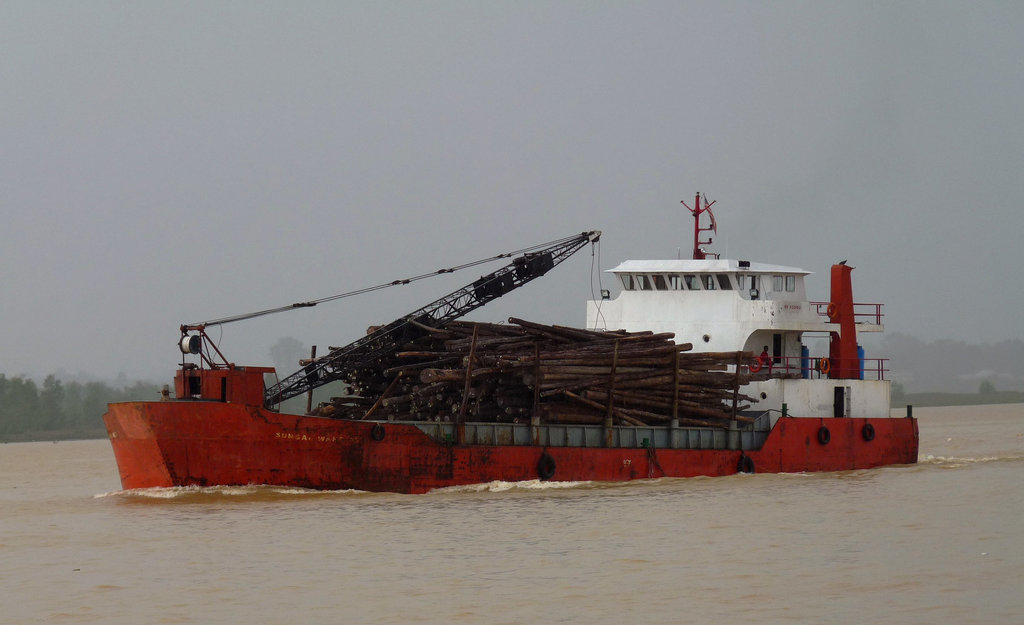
x=600, y=323
x=311, y=303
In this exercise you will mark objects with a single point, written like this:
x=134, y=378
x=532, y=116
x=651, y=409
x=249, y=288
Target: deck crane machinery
x=529, y=264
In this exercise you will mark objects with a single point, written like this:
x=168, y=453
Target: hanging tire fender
x=377, y=432
x=868, y=432
x=824, y=436
x=546, y=466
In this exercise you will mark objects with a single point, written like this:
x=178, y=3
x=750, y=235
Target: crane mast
x=386, y=339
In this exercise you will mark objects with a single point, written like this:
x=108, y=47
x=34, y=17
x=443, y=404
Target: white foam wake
x=500, y=486
x=251, y=490
x=956, y=461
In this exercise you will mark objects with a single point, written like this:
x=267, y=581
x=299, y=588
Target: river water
x=937, y=542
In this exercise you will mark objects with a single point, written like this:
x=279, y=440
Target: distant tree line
x=954, y=366
x=57, y=409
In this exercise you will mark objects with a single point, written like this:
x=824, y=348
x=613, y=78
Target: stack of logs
x=477, y=372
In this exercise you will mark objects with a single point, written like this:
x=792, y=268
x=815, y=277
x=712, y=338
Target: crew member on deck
x=766, y=360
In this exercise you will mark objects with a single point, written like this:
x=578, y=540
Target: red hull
x=210, y=443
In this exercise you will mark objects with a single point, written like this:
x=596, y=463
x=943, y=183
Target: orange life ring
x=754, y=368
x=824, y=366
x=830, y=310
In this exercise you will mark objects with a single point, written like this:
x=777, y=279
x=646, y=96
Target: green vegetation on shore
x=987, y=394
x=957, y=399
x=60, y=411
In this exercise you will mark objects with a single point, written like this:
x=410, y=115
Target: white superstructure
x=724, y=305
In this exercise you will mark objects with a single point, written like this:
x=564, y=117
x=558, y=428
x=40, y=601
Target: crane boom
x=368, y=349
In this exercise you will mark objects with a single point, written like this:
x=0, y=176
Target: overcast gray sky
x=170, y=162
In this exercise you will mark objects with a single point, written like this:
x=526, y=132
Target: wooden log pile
x=476, y=372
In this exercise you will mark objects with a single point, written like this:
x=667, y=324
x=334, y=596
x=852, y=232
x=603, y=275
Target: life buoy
x=754, y=368
x=824, y=366
x=824, y=436
x=830, y=310
x=746, y=464
x=868, y=432
x=377, y=432
x=546, y=466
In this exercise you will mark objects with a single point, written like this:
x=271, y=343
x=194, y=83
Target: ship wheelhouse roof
x=704, y=266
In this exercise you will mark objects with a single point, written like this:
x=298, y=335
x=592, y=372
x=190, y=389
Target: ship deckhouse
x=724, y=305
x=715, y=304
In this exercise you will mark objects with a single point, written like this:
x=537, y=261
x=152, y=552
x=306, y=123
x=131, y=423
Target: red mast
x=696, y=211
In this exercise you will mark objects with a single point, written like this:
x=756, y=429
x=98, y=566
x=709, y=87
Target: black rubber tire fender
x=377, y=432
x=824, y=436
x=868, y=432
x=546, y=466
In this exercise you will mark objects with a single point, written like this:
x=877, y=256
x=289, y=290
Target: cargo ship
x=759, y=401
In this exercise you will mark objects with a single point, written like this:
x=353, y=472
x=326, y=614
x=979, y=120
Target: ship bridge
x=715, y=304
x=721, y=305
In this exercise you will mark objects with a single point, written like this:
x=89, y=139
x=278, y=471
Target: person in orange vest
x=766, y=360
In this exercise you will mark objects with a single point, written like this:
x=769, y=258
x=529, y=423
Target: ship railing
x=762, y=422
x=651, y=437
x=862, y=312
x=813, y=368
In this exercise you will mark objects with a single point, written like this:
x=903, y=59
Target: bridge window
x=643, y=283
x=627, y=281
x=791, y=283
x=750, y=284
x=777, y=282
x=691, y=282
x=675, y=282
x=723, y=281
x=659, y=282
x=709, y=282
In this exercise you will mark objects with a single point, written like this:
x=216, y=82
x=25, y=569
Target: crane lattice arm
x=365, y=351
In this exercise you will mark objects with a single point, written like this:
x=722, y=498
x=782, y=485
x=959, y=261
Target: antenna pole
x=698, y=254
x=697, y=210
